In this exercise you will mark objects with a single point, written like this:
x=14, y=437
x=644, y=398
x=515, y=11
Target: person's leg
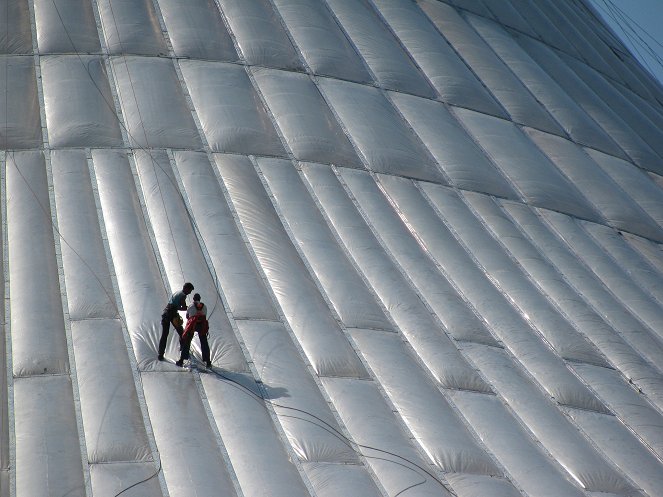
x=205, y=347
x=165, y=328
x=185, y=347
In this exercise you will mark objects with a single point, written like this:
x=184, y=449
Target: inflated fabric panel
x=468, y=485
x=110, y=479
x=66, y=26
x=39, y=345
x=250, y=437
x=131, y=27
x=303, y=306
x=648, y=249
x=320, y=40
x=458, y=155
x=46, y=438
x=4, y=410
x=139, y=281
x=597, y=296
x=331, y=480
x=21, y=122
x=629, y=404
x=568, y=114
x=560, y=437
x=181, y=253
x=490, y=304
x=243, y=288
x=612, y=275
x=349, y=295
x=231, y=114
x=530, y=467
x=504, y=85
x=635, y=182
x=78, y=102
x=114, y=429
x=535, y=176
x=302, y=410
x=607, y=196
x=260, y=34
x=372, y=424
x=196, y=30
x=382, y=52
x=15, y=29
x=191, y=459
x=305, y=120
x=379, y=133
x=505, y=273
x=476, y=6
x=446, y=71
x=623, y=448
x=87, y=278
x=642, y=273
x=426, y=412
x=586, y=97
x=143, y=85
x=509, y=15
x=393, y=288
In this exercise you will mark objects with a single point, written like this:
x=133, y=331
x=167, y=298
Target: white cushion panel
x=568, y=114
x=331, y=480
x=446, y=71
x=433, y=422
x=87, y=278
x=143, y=84
x=21, y=120
x=382, y=52
x=500, y=81
x=574, y=305
x=320, y=40
x=305, y=120
x=629, y=404
x=468, y=485
x=196, y=30
x=191, y=459
x=610, y=273
x=649, y=249
x=66, y=26
x=458, y=155
x=181, y=253
x=109, y=479
x=250, y=437
x=4, y=414
x=113, y=422
x=243, y=288
x=623, y=448
x=490, y=304
x=138, y=278
x=286, y=378
x=371, y=423
x=379, y=133
x=535, y=176
x=306, y=311
x=609, y=199
x=16, y=32
x=78, y=102
x=39, y=345
x=507, y=275
x=347, y=292
x=131, y=27
x=530, y=467
x=230, y=112
x=260, y=34
x=596, y=295
x=560, y=437
x=509, y=15
x=635, y=182
x=46, y=438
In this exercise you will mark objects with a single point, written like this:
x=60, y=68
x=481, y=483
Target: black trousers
x=165, y=329
x=185, y=346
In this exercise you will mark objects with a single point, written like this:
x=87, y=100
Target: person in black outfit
x=170, y=315
x=196, y=316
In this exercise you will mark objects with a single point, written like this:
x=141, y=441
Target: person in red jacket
x=196, y=316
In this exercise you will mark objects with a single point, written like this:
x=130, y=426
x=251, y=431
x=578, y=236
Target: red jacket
x=191, y=326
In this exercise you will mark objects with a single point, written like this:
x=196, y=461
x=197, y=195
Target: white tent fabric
x=428, y=234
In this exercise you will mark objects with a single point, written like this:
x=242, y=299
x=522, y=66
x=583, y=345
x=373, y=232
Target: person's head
x=196, y=297
x=187, y=288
